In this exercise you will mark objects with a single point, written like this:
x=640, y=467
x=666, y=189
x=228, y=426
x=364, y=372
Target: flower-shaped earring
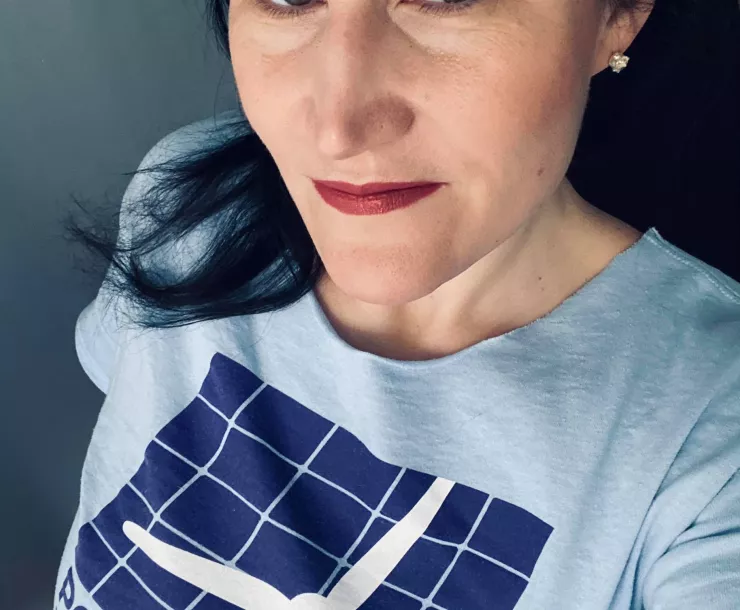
x=618, y=62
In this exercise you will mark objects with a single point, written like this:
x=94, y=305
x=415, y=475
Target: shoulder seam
x=727, y=291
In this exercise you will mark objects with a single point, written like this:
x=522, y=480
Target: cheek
x=256, y=87
x=518, y=138
x=528, y=108
x=555, y=107
x=510, y=129
x=266, y=83
x=519, y=98
x=548, y=123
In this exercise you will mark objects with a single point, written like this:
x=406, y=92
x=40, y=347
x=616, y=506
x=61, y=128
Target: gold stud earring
x=618, y=62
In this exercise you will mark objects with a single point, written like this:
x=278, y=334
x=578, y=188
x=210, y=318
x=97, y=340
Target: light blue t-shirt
x=586, y=461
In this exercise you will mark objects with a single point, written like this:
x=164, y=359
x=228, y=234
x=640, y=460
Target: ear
x=618, y=30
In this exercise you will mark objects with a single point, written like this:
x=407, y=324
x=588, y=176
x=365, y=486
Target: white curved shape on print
x=248, y=592
x=234, y=586
x=366, y=575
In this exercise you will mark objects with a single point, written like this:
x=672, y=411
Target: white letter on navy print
x=248, y=592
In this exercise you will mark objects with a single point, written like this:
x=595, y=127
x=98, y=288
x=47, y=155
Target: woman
x=476, y=391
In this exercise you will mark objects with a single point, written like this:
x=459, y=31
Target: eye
x=444, y=7
x=293, y=10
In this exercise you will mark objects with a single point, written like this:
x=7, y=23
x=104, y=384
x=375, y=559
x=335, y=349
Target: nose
x=356, y=104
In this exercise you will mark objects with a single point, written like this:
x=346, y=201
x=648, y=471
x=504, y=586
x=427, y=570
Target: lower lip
x=377, y=203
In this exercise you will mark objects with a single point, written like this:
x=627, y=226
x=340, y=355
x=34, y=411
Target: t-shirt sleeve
x=96, y=344
x=701, y=568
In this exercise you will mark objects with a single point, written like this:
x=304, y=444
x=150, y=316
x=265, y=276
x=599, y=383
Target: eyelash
x=437, y=9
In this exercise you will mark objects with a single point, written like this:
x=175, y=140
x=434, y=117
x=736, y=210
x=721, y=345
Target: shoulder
x=689, y=355
x=140, y=204
x=696, y=314
x=699, y=290
x=102, y=327
x=183, y=141
x=695, y=303
x=192, y=136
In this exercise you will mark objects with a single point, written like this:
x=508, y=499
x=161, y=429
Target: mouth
x=374, y=197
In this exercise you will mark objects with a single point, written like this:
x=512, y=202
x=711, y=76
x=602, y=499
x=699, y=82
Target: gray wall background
x=86, y=88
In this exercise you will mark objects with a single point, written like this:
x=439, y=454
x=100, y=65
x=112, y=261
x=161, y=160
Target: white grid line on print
x=341, y=561
x=302, y=469
x=196, y=601
x=122, y=563
x=376, y=516
x=344, y=563
x=462, y=547
x=265, y=516
x=374, y=511
x=157, y=515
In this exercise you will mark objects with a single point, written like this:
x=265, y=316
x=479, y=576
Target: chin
x=389, y=288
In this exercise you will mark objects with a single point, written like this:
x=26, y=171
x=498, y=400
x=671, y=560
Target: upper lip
x=370, y=188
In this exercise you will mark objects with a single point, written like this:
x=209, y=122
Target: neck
x=527, y=276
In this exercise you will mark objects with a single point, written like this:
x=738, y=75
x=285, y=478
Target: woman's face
x=488, y=100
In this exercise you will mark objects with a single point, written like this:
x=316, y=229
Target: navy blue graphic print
x=247, y=477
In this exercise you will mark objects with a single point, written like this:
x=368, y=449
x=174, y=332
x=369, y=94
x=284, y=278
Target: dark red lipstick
x=373, y=197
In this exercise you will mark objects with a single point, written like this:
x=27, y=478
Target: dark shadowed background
x=87, y=87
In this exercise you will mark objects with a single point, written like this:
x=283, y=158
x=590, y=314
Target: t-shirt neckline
x=594, y=284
